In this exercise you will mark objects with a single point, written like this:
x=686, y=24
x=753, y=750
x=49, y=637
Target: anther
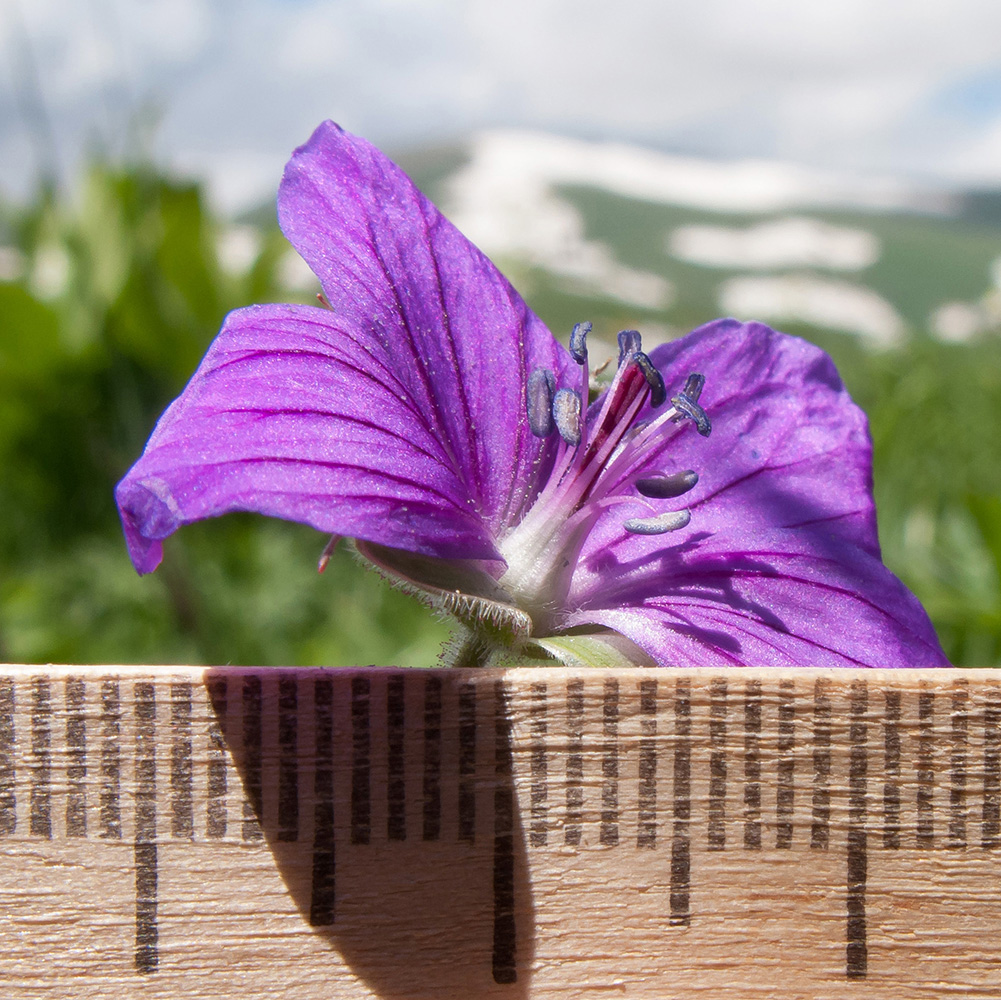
x=654, y=379
x=687, y=408
x=665, y=487
x=539, y=401
x=693, y=386
x=328, y=551
x=566, y=415
x=578, y=342
x=629, y=343
x=659, y=525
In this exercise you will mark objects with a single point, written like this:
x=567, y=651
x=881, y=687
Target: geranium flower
x=429, y=415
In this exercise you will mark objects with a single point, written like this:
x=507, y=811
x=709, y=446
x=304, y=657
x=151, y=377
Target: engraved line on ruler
x=752, y=765
x=252, y=765
x=539, y=792
x=216, y=780
x=680, y=838
x=288, y=757
x=574, y=814
x=396, y=783
x=891, y=770
x=646, y=834
x=926, y=768
x=990, y=830
x=608, y=831
x=431, y=785
x=145, y=847
x=957, y=765
x=323, y=891
x=8, y=794
x=785, y=792
x=75, y=691
x=41, y=758
x=504, y=954
x=821, y=806
x=856, y=951
x=717, y=764
x=182, y=814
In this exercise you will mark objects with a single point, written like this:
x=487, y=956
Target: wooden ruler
x=541, y=833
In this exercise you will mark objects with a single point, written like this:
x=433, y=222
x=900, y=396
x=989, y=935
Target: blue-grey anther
x=659, y=525
x=665, y=487
x=693, y=386
x=566, y=415
x=686, y=408
x=629, y=343
x=658, y=392
x=539, y=401
x=578, y=342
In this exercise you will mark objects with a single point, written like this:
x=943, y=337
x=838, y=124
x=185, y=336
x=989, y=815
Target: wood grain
x=539, y=833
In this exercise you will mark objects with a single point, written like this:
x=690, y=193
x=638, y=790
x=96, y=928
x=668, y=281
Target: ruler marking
x=182, y=814
x=216, y=779
x=957, y=766
x=646, y=835
x=467, y=762
x=361, y=761
x=681, y=861
x=323, y=888
x=856, y=951
x=573, y=821
x=111, y=762
x=785, y=793
x=608, y=833
x=432, y=759
x=926, y=768
x=41, y=754
x=990, y=831
x=891, y=770
x=396, y=782
x=76, y=757
x=717, y=764
x=504, y=953
x=752, y=765
x=8, y=775
x=821, y=811
x=288, y=757
x=538, y=728
x=253, y=789
x=147, y=933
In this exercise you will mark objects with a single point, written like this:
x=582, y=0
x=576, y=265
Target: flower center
x=599, y=461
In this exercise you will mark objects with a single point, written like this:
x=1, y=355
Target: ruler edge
x=900, y=678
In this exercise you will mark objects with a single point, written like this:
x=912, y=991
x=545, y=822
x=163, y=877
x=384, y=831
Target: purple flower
x=431, y=416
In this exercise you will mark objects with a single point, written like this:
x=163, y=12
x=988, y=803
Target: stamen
x=654, y=379
x=686, y=407
x=665, y=487
x=578, y=342
x=629, y=343
x=659, y=525
x=566, y=414
x=539, y=401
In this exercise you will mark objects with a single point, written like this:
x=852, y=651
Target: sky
x=224, y=90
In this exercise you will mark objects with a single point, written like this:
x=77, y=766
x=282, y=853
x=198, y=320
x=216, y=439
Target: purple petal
x=399, y=417
x=780, y=562
x=287, y=417
x=425, y=302
x=788, y=447
x=767, y=599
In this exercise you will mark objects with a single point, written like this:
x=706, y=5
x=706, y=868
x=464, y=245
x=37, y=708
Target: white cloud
x=851, y=84
x=790, y=242
x=806, y=298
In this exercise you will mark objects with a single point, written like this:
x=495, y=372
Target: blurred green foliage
x=108, y=300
